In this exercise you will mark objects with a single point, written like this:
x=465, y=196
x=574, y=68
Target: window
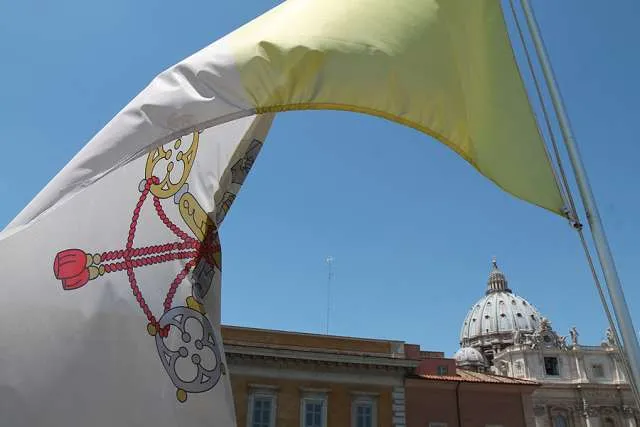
x=551, y=366
x=364, y=415
x=560, y=421
x=608, y=422
x=314, y=411
x=443, y=370
x=262, y=409
x=598, y=370
x=363, y=412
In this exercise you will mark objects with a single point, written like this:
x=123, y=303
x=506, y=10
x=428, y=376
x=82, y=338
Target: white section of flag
x=78, y=350
x=200, y=92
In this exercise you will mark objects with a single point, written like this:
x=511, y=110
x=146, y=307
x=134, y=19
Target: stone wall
x=290, y=392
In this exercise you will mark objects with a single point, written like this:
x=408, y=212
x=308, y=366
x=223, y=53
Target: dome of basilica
x=498, y=316
x=468, y=357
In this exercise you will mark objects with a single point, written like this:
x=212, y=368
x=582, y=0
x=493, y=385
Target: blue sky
x=411, y=226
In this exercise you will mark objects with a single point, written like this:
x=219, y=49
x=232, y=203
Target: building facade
x=581, y=386
x=469, y=399
x=288, y=379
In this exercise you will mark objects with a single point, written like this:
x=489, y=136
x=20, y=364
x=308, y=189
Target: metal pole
x=620, y=308
x=329, y=261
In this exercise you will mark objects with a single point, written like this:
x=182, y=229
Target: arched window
x=561, y=421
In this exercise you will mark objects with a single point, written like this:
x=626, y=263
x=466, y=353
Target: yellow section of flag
x=445, y=68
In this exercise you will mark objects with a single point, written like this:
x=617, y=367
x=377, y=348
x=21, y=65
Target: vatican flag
x=111, y=313
x=111, y=275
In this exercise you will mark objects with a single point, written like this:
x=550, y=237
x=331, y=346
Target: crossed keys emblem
x=183, y=334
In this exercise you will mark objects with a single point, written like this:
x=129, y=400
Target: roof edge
x=491, y=379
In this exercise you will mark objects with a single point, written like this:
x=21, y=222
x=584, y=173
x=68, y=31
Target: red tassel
x=77, y=281
x=70, y=266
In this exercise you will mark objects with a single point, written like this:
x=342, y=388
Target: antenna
x=329, y=261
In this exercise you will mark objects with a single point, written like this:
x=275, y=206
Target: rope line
x=573, y=215
x=565, y=184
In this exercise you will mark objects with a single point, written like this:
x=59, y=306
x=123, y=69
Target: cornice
x=306, y=364
x=239, y=354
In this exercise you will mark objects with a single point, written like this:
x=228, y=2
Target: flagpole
x=625, y=324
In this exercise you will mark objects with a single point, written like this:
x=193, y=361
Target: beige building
x=288, y=379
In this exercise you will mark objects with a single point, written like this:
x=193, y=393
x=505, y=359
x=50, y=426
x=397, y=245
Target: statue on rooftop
x=574, y=336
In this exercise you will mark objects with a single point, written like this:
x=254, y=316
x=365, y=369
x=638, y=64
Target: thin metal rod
x=573, y=214
x=563, y=183
x=616, y=339
x=618, y=302
x=329, y=261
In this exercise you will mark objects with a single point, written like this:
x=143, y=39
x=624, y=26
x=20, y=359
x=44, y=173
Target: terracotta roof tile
x=477, y=377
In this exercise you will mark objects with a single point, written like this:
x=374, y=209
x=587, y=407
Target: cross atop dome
x=497, y=281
